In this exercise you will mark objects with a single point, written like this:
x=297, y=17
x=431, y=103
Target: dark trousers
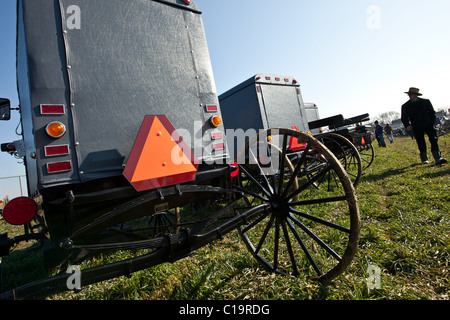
x=419, y=134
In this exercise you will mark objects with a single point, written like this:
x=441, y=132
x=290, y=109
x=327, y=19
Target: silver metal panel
x=41, y=80
x=312, y=114
x=282, y=105
x=111, y=63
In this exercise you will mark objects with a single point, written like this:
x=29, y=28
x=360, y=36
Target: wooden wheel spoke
x=316, y=238
x=302, y=245
x=254, y=223
x=262, y=174
x=321, y=221
x=277, y=243
x=289, y=247
x=313, y=179
x=297, y=169
x=260, y=186
x=282, y=164
x=264, y=235
x=251, y=193
x=318, y=201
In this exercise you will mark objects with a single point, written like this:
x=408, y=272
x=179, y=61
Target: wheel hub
x=280, y=206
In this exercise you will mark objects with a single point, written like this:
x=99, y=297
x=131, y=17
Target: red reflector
x=211, y=108
x=56, y=167
x=216, y=135
x=294, y=144
x=363, y=141
x=277, y=79
x=235, y=166
x=187, y=1
x=52, y=109
x=267, y=78
x=56, y=151
x=20, y=211
x=219, y=146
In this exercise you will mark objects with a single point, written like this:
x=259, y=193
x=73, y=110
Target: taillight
x=219, y=146
x=56, y=167
x=55, y=129
x=216, y=135
x=20, y=211
x=49, y=109
x=212, y=108
x=52, y=151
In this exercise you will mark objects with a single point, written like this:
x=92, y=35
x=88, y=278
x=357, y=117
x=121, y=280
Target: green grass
x=404, y=210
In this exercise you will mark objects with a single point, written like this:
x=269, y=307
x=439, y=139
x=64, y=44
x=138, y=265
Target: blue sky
x=350, y=56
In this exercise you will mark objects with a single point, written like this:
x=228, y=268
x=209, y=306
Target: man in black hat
x=418, y=116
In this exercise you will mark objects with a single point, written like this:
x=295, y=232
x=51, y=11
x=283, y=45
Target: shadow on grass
x=389, y=172
x=22, y=267
x=437, y=174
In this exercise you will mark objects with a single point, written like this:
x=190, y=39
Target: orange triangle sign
x=159, y=157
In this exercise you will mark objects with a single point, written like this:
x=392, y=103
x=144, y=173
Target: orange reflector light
x=20, y=211
x=55, y=129
x=216, y=121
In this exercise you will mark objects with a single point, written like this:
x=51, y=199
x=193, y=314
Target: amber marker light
x=216, y=121
x=55, y=129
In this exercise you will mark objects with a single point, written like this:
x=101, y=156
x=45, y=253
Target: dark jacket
x=388, y=129
x=419, y=114
x=378, y=130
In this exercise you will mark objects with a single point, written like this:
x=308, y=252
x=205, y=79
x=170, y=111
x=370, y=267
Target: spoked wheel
x=303, y=228
x=345, y=152
x=165, y=222
x=367, y=154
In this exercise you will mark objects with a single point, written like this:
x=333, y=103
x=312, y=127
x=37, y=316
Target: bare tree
x=388, y=117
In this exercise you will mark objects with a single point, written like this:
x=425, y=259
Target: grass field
x=404, y=208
